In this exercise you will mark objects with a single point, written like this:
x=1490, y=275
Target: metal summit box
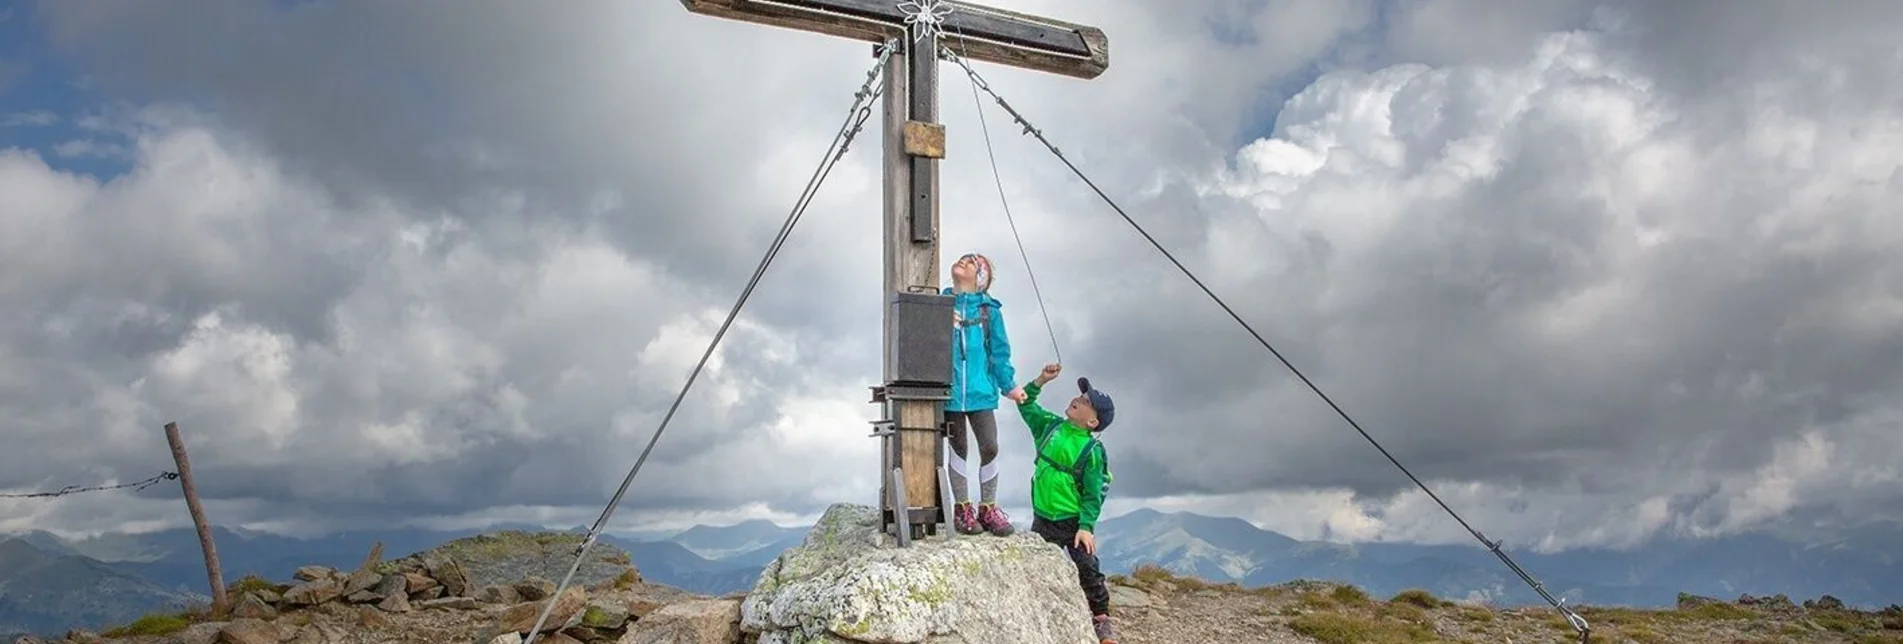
x=921, y=337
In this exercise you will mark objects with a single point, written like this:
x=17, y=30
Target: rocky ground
x=1154, y=606
x=483, y=590
x=490, y=589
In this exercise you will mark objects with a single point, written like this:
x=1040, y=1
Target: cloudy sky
x=1598, y=271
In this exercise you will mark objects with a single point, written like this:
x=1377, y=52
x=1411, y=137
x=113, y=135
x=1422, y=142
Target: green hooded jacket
x=1055, y=494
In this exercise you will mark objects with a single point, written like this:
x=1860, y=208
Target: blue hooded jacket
x=979, y=363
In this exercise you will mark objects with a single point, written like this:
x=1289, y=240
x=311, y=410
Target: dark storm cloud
x=581, y=115
x=1439, y=334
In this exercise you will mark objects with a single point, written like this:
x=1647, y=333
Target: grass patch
x=1559, y=623
x=1345, y=628
x=1190, y=583
x=252, y=584
x=1475, y=614
x=1403, y=612
x=1152, y=577
x=1269, y=592
x=1418, y=597
x=1839, y=621
x=627, y=580
x=1615, y=615
x=153, y=624
x=1643, y=635
x=1316, y=601
x=1151, y=573
x=1349, y=595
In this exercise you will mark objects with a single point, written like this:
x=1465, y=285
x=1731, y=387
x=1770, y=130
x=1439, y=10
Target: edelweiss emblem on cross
x=930, y=13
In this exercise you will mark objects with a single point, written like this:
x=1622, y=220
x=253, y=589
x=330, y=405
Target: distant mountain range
x=48, y=584
x=1861, y=568
x=45, y=591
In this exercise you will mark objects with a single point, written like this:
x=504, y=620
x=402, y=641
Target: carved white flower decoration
x=930, y=13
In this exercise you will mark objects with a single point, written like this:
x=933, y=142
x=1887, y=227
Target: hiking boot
x=1105, y=634
x=965, y=520
x=994, y=520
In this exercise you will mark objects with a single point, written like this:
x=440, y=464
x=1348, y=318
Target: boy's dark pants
x=1064, y=534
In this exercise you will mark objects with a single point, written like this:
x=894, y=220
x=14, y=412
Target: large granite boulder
x=850, y=582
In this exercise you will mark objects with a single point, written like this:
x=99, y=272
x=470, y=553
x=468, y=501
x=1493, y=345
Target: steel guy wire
x=1572, y=618
x=997, y=179
x=855, y=120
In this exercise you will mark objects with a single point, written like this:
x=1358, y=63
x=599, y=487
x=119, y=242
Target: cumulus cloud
x=1592, y=281
x=1554, y=275
x=358, y=361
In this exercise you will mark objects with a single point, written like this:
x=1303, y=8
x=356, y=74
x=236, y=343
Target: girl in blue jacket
x=981, y=370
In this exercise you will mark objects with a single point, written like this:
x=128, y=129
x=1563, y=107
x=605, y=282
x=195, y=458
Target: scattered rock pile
x=1776, y=602
x=432, y=598
x=435, y=582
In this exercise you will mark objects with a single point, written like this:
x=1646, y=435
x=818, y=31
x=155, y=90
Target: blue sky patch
x=45, y=101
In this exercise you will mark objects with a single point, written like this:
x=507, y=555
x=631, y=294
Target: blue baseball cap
x=1099, y=401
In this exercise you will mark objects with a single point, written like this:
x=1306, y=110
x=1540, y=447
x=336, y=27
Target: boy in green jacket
x=1071, y=479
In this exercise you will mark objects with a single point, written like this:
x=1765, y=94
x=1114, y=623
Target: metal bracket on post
x=887, y=430
x=884, y=430
x=945, y=503
x=900, y=529
x=897, y=517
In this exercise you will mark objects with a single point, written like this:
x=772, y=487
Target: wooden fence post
x=220, y=604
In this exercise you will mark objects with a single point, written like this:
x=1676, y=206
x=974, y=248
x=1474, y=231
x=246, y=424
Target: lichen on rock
x=849, y=582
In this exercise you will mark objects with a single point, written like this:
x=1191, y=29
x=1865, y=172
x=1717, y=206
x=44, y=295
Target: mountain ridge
x=42, y=592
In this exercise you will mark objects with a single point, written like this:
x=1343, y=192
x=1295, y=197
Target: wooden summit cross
x=918, y=321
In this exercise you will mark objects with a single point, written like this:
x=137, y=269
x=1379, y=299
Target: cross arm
x=974, y=31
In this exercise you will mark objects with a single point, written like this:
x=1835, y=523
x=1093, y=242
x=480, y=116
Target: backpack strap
x=1049, y=431
x=1083, y=456
x=983, y=322
x=984, y=327
x=1076, y=467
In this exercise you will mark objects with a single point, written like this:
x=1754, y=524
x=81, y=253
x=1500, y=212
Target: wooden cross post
x=915, y=496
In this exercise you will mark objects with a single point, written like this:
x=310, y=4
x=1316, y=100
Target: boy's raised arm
x=1039, y=419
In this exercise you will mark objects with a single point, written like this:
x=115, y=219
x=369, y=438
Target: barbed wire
x=76, y=489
